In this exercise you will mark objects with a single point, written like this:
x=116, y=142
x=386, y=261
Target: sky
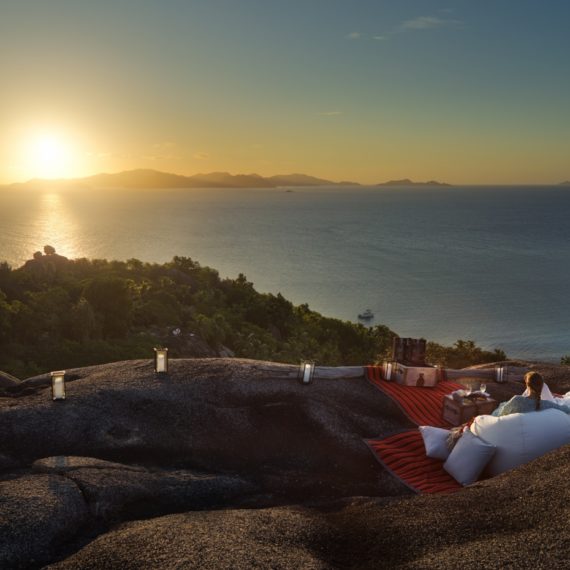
x=461, y=91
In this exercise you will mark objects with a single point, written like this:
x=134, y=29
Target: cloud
x=201, y=156
x=159, y=157
x=353, y=36
x=165, y=144
x=428, y=23
x=419, y=23
x=330, y=113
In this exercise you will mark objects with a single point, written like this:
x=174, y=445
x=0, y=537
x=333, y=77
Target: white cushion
x=435, y=440
x=520, y=438
x=468, y=458
x=563, y=400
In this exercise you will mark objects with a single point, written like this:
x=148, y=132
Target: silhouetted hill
x=565, y=183
x=408, y=182
x=147, y=178
x=227, y=180
x=141, y=178
x=155, y=179
x=305, y=180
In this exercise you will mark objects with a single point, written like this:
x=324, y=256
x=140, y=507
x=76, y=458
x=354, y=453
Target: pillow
x=435, y=440
x=468, y=458
x=520, y=438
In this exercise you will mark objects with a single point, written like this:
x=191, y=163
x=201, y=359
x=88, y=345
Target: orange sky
x=366, y=93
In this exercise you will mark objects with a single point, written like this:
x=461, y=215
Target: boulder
x=116, y=491
x=7, y=380
x=37, y=515
x=211, y=415
x=213, y=455
x=224, y=540
x=517, y=520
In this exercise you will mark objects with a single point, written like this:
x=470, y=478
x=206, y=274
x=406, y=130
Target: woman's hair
x=534, y=383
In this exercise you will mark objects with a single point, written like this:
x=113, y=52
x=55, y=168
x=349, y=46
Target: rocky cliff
x=227, y=463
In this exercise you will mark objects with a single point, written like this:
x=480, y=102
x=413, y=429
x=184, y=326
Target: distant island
x=408, y=182
x=565, y=183
x=147, y=178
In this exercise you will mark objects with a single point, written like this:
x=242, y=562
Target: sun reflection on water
x=56, y=225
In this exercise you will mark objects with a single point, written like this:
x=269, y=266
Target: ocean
x=489, y=264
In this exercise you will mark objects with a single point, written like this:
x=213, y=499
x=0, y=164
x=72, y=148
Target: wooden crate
x=415, y=375
x=459, y=412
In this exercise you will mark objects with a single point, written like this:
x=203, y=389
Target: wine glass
x=483, y=388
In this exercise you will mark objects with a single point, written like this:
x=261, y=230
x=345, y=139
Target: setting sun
x=48, y=155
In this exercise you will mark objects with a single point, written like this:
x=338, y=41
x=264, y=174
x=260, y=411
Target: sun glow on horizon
x=48, y=155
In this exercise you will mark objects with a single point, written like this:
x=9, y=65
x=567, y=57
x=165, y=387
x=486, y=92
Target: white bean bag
x=520, y=438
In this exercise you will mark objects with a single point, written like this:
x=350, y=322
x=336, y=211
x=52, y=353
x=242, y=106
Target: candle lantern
x=58, y=385
x=161, y=360
x=388, y=367
x=439, y=373
x=501, y=373
x=306, y=371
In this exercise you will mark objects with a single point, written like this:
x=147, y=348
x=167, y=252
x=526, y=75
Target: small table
x=458, y=412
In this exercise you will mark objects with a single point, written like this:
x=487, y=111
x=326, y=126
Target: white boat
x=366, y=316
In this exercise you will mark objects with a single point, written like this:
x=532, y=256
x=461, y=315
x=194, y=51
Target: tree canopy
x=59, y=313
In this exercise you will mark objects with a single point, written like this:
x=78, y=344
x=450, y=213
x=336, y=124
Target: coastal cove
x=481, y=263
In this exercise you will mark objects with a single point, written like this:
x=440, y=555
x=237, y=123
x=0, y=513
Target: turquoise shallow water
x=488, y=264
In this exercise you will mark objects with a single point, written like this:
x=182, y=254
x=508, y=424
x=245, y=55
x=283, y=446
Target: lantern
x=306, y=371
x=161, y=360
x=58, y=385
x=501, y=373
x=439, y=373
x=388, y=367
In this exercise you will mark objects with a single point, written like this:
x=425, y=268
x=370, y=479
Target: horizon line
x=267, y=177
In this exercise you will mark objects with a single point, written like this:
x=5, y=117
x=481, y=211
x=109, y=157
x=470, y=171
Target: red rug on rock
x=421, y=405
x=404, y=454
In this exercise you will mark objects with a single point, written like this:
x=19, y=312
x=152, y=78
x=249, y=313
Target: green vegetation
x=462, y=353
x=565, y=360
x=56, y=313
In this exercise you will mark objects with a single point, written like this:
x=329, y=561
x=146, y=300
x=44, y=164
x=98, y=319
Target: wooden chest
x=415, y=375
x=459, y=412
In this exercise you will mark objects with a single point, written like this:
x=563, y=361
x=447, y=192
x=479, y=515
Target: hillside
x=408, y=182
x=56, y=312
x=304, y=180
x=147, y=178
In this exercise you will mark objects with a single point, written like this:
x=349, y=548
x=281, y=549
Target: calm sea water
x=487, y=264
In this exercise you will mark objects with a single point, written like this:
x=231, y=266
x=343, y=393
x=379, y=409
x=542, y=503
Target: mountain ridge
x=408, y=182
x=149, y=178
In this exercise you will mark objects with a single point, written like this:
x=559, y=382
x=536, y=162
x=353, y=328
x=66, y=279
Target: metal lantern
x=501, y=373
x=306, y=371
x=161, y=360
x=388, y=369
x=58, y=385
x=439, y=373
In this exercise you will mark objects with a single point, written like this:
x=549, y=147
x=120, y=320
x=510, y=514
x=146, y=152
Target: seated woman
x=520, y=404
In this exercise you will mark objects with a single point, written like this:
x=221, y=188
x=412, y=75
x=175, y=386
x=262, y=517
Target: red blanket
x=404, y=454
x=421, y=405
